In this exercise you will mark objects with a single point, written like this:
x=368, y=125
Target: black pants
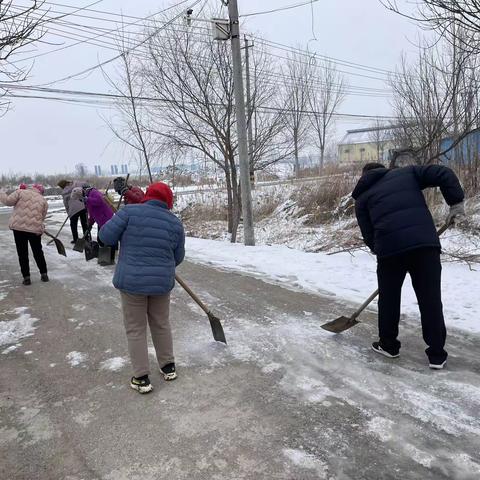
x=22, y=239
x=425, y=270
x=82, y=215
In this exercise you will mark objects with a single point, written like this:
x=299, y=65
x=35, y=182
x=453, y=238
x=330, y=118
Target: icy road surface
x=285, y=400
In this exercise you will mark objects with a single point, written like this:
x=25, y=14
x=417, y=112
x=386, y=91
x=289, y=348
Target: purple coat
x=98, y=210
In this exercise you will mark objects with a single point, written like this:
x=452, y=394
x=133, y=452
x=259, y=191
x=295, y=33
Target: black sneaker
x=73, y=242
x=44, y=277
x=437, y=366
x=26, y=281
x=169, y=372
x=390, y=354
x=141, y=384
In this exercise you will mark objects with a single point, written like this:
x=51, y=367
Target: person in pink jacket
x=29, y=212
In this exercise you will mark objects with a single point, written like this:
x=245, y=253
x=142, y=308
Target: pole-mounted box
x=221, y=29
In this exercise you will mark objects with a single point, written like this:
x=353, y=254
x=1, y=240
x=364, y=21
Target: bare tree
x=425, y=94
x=19, y=27
x=191, y=80
x=325, y=95
x=296, y=98
x=458, y=21
x=130, y=128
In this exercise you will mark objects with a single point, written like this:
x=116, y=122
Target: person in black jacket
x=398, y=227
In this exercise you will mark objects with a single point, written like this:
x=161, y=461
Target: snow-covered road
x=284, y=400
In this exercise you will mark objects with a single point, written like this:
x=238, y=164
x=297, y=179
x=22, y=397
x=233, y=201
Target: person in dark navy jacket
x=152, y=245
x=398, y=227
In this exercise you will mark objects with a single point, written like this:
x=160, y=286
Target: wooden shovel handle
x=194, y=297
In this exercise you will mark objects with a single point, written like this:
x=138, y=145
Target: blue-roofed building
x=466, y=152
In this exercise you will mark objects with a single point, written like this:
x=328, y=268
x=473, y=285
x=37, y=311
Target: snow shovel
x=58, y=244
x=80, y=243
x=91, y=250
x=215, y=323
x=343, y=323
x=59, y=231
x=105, y=256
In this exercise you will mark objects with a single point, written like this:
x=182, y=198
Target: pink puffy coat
x=29, y=210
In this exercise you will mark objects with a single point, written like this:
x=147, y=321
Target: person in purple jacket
x=99, y=212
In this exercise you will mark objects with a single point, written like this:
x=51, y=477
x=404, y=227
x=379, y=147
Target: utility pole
x=250, y=107
x=247, y=210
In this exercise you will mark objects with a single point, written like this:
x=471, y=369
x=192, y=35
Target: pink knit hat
x=39, y=187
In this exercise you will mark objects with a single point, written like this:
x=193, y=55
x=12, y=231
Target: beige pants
x=137, y=311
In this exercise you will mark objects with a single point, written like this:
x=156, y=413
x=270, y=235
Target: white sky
x=49, y=137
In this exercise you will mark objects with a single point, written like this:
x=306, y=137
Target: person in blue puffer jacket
x=152, y=245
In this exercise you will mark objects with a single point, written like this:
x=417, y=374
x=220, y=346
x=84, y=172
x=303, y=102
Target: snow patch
x=306, y=460
x=347, y=276
x=113, y=364
x=12, y=348
x=76, y=358
x=381, y=428
x=11, y=331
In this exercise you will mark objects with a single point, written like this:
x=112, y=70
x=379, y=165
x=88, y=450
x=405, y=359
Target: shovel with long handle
x=343, y=323
x=58, y=244
x=59, y=231
x=121, y=196
x=215, y=323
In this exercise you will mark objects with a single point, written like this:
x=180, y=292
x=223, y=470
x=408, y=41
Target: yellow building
x=366, y=145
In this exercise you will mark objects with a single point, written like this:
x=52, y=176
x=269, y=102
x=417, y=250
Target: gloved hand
x=456, y=214
x=120, y=185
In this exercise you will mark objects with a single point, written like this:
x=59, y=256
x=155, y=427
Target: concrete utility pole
x=247, y=210
x=247, y=48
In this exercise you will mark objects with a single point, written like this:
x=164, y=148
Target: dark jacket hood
x=369, y=179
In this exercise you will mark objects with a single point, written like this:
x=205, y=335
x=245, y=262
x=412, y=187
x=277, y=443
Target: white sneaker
x=437, y=366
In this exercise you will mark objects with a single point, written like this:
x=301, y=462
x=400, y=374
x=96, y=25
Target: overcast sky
x=50, y=137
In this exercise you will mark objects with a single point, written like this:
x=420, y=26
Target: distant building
x=98, y=170
x=366, y=145
x=466, y=152
x=114, y=169
x=124, y=169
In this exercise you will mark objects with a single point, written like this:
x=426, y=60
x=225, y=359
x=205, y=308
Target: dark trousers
x=22, y=239
x=82, y=215
x=425, y=270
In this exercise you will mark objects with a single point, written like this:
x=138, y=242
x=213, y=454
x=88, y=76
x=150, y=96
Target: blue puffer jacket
x=152, y=244
x=392, y=212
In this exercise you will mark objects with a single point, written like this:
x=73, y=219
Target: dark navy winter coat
x=392, y=212
x=152, y=244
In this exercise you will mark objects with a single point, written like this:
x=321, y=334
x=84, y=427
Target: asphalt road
x=284, y=400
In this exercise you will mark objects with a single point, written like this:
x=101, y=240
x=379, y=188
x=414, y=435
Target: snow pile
x=11, y=331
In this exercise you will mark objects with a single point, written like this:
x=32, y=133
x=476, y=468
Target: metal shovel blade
x=79, y=245
x=105, y=256
x=340, y=324
x=217, y=329
x=58, y=244
x=60, y=247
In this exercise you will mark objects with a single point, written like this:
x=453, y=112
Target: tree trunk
x=322, y=158
x=295, y=146
x=230, y=213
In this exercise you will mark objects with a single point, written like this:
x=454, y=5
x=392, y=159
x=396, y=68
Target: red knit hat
x=159, y=191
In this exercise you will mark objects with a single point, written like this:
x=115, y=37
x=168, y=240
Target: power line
x=116, y=57
x=101, y=96
x=280, y=9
